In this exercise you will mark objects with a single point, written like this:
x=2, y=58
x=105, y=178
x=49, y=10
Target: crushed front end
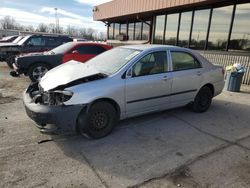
x=47, y=107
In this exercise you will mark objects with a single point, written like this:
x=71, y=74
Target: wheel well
x=210, y=86
x=34, y=63
x=85, y=109
x=111, y=101
x=39, y=62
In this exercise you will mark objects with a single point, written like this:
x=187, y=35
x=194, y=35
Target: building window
x=159, y=29
x=200, y=26
x=185, y=26
x=123, y=30
x=240, y=37
x=138, y=33
x=145, y=30
x=111, y=31
x=131, y=31
x=171, y=29
x=219, y=29
x=116, y=30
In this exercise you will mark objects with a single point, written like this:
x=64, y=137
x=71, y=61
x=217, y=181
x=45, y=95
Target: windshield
x=62, y=48
x=23, y=40
x=17, y=39
x=111, y=61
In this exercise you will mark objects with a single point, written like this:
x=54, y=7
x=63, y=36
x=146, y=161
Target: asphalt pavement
x=174, y=148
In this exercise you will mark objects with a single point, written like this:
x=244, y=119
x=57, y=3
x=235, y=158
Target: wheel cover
x=99, y=120
x=39, y=72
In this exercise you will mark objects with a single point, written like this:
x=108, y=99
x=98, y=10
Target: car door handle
x=198, y=73
x=165, y=78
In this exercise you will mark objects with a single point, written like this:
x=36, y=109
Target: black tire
x=33, y=72
x=10, y=60
x=202, y=100
x=98, y=122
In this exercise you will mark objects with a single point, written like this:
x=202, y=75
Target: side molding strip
x=161, y=96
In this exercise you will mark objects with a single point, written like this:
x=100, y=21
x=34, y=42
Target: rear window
x=56, y=41
x=90, y=49
x=52, y=41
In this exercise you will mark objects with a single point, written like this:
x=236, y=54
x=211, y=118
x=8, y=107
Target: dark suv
x=31, y=43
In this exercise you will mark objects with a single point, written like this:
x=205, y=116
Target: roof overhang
x=123, y=10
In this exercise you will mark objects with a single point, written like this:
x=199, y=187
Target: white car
x=121, y=83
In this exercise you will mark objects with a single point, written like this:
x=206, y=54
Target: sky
x=77, y=13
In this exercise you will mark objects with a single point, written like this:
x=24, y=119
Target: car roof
x=88, y=43
x=146, y=47
x=154, y=46
x=47, y=35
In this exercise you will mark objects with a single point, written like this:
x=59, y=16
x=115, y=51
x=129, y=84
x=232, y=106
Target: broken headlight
x=56, y=97
x=59, y=97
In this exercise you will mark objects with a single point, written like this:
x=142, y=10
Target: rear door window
x=53, y=41
x=183, y=61
x=90, y=49
x=36, y=41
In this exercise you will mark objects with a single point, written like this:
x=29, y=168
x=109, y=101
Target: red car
x=37, y=64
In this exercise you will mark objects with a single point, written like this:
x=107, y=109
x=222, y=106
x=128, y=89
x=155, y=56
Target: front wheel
x=202, y=100
x=99, y=121
x=37, y=71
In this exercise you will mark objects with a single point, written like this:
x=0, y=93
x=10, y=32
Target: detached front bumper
x=63, y=117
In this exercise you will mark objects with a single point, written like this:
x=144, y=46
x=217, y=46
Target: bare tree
x=72, y=31
x=52, y=28
x=69, y=30
x=60, y=30
x=42, y=28
x=82, y=32
x=8, y=23
x=101, y=36
x=29, y=28
x=87, y=33
x=90, y=34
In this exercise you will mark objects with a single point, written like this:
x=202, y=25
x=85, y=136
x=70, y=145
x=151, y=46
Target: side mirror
x=129, y=73
x=75, y=52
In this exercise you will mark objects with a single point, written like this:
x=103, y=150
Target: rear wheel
x=202, y=100
x=37, y=71
x=99, y=121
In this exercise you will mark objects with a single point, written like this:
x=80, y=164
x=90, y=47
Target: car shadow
x=151, y=145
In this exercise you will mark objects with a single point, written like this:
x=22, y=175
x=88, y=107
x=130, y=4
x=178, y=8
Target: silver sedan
x=121, y=83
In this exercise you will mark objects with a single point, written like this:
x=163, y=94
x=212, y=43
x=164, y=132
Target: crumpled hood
x=65, y=73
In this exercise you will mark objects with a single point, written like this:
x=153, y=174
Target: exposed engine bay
x=57, y=95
